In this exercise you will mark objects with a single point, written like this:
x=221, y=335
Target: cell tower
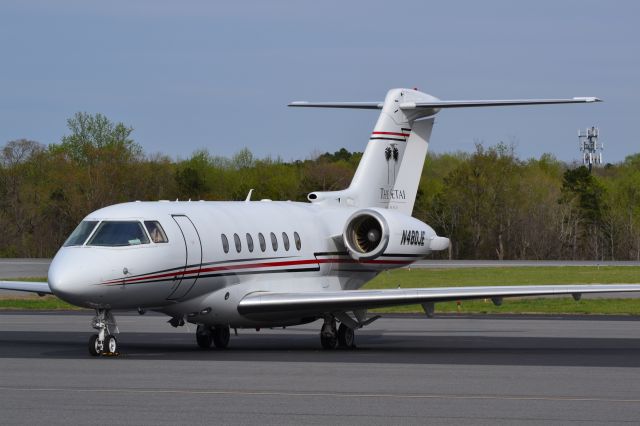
x=590, y=147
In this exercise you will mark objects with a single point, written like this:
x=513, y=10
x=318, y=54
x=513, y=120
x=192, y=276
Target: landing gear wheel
x=94, y=345
x=204, y=337
x=346, y=337
x=328, y=333
x=110, y=344
x=103, y=343
x=329, y=342
x=221, y=337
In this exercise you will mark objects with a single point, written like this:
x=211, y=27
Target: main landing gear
x=331, y=338
x=103, y=342
x=218, y=336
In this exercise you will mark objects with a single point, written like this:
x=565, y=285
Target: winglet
x=587, y=99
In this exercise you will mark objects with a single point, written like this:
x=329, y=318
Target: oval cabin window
x=236, y=239
x=296, y=239
x=225, y=243
x=249, y=242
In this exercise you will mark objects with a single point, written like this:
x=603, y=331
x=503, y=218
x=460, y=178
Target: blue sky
x=218, y=75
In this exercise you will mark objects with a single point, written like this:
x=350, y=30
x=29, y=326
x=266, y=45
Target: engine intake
x=366, y=234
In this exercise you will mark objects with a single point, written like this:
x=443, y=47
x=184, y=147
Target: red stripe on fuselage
x=390, y=133
x=256, y=265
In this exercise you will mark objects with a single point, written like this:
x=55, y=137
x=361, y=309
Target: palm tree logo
x=395, y=159
x=387, y=156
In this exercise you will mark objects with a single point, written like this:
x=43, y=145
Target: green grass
x=33, y=301
x=505, y=276
x=45, y=303
x=465, y=277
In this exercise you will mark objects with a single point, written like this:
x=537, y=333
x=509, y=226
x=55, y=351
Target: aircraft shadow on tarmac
x=371, y=348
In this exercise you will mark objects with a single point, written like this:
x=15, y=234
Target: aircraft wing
x=264, y=303
x=33, y=287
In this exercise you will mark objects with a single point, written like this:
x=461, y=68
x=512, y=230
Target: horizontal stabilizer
x=495, y=102
x=353, y=105
x=438, y=104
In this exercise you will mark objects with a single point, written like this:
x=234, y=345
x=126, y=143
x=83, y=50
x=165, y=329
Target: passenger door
x=193, y=258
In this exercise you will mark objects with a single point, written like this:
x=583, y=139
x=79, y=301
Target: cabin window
x=285, y=241
x=263, y=243
x=296, y=238
x=274, y=242
x=119, y=233
x=155, y=231
x=225, y=243
x=81, y=233
x=236, y=239
x=249, y=242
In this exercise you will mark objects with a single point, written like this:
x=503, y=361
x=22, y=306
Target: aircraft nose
x=66, y=278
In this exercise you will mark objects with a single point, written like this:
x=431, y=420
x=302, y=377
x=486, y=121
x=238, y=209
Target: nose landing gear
x=103, y=342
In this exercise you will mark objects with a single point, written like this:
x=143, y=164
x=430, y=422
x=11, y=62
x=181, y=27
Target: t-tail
x=389, y=172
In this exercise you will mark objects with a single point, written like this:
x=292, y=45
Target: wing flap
x=348, y=300
x=29, y=286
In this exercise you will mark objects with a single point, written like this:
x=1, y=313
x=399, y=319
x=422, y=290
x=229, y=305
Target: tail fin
x=389, y=171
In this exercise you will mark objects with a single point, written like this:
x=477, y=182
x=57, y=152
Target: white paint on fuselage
x=94, y=276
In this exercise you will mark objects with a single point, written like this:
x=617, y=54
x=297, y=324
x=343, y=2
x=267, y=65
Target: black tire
x=94, y=350
x=329, y=342
x=204, y=338
x=346, y=337
x=221, y=336
x=110, y=344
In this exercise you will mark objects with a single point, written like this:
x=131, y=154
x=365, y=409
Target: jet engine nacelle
x=370, y=233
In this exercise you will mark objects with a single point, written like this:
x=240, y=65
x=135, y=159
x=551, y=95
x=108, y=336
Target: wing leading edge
x=262, y=303
x=29, y=286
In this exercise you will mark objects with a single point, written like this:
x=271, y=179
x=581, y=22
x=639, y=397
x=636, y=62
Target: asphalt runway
x=405, y=370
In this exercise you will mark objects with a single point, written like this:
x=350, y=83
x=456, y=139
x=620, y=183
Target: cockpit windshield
x=119, y=233
x=81, y=233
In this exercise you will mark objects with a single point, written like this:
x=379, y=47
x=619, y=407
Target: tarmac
x=405, y=370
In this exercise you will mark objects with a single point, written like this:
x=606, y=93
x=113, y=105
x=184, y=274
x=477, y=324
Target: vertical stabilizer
x=405, y=188
x=389, y=173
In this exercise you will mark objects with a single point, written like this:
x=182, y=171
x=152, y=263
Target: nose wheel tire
x=110, y=344
x=221, y=336
x=108, y=347
x=346, y=337
x=94, y=345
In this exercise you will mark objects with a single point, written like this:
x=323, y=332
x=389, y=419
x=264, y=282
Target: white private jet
x=254, y=264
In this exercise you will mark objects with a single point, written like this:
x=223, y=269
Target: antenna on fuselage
x=248, y=196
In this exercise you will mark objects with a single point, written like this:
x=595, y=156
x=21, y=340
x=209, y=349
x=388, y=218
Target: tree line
x=490, y=203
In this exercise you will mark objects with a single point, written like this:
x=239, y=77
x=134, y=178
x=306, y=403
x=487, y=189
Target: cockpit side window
x=81, y=233
x=119, y=233
x=155, y=231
